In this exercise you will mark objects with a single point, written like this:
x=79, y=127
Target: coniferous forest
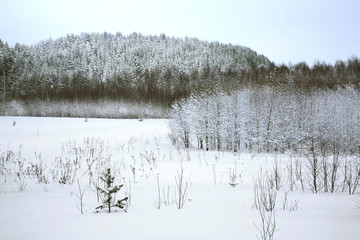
x=150, y=71
x=135, y=67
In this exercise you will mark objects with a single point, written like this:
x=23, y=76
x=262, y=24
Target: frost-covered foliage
x=270, y=119
x=156, y=69
x=109, y=191
x=118, y=66
x=107, y=55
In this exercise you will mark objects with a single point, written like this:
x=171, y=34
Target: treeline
x=270, y=119
x=134, y=67
x=156, y=69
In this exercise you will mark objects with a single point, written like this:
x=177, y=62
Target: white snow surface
x=213, y=209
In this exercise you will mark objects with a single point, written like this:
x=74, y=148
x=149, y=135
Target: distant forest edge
x=155, y=70
x=134, y=67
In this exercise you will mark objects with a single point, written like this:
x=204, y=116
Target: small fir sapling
x=109, y=191
x=233, y=174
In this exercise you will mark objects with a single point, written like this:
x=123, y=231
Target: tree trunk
x=4, y=86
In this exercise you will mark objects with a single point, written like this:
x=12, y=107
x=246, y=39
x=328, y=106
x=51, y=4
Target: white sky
x=283, y=30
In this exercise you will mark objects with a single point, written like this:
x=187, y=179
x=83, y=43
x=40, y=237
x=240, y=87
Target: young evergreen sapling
x=109, y=191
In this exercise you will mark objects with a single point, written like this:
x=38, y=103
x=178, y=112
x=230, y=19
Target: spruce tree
x=109, y=191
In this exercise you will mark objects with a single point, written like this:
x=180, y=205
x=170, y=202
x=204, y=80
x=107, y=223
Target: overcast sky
x=283, y=30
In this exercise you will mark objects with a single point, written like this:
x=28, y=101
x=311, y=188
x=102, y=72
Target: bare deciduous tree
x=181, y=190
x=313, y=167
x=334, y=166
x=276, y=175
x=351, y=176
x=291, y=174
x=299, y=173
x=80, y=199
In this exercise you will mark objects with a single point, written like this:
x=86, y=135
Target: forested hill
x=133, y=67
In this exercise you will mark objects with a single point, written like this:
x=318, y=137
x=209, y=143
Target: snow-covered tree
x=109, y=191
x=270, y=119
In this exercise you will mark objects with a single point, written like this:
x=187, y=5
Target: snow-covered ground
x=213, y=209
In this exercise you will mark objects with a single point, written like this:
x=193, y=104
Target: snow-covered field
x=60, y=151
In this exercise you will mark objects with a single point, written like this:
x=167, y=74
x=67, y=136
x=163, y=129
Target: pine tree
x=109, y=191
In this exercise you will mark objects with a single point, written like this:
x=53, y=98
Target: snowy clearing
x=43, y=159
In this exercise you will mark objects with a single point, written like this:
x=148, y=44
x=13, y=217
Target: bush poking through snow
x=264, y=193
x=181, y=189
x=65, y=169
x=264, y=202
x=38, y=170
x=163, y=195
x=267, y=225
x=290, y=206
x=80, y=199
x=158, y=202
x=21, y=182
x=109, y=191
